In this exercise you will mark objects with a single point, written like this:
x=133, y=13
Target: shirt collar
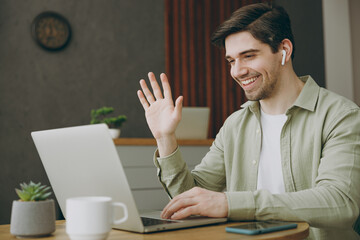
x=307, y=98
x=254, y=106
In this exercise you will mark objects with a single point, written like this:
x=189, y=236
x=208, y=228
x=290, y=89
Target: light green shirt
x=320, y=155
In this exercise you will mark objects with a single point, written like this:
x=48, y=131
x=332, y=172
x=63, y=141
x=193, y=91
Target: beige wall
x=342, y=51
x=354, y=6
x=337, y=45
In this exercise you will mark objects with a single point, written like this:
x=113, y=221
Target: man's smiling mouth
x=249, y=81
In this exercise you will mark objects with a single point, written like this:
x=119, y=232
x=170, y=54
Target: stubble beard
x=265, y=91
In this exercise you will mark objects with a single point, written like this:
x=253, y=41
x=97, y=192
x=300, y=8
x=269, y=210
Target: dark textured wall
x=114, y=44
x=306, y=22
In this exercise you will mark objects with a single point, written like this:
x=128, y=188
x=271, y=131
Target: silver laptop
x=83, y=161
x=194, y=123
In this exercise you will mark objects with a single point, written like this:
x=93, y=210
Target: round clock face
x=51, y=31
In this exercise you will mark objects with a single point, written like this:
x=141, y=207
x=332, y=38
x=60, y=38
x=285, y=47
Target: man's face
x=253, y=65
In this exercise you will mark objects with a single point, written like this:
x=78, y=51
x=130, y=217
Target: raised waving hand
x=162, y=115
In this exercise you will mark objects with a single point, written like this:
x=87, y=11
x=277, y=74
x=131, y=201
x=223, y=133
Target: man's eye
x=231, y=61
x=249, y=56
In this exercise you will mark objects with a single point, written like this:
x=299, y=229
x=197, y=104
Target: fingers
x=155, y=86
x=179, y=208
x=181, y=202
x=143, y=100
x=178, y=106
x=185, y=212
x=197, y=201
x=166, y=86
x=146, y=97
x=149, y=97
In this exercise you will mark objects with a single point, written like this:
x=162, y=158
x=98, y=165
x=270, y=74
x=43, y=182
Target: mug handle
x=123, y=219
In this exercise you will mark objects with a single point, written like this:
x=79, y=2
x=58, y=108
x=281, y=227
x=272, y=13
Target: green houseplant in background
x=33, y=215
x=101, y=115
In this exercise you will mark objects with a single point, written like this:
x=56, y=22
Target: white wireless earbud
x=283, y=57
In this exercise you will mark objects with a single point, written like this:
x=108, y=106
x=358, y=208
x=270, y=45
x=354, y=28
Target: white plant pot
x=114, y=132
x=32, y=219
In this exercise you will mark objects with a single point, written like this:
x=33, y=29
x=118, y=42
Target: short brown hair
x=268, y=24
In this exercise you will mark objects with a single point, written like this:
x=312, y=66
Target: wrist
x=166, y=145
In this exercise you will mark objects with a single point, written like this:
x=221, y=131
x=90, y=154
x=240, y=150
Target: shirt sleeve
x=173, y=173
x=175, y=177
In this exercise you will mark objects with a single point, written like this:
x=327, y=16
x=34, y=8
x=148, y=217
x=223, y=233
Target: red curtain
x=196, y=69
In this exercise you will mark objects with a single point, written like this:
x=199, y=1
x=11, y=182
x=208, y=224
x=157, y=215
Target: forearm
x=175, y=177
x=321, y=207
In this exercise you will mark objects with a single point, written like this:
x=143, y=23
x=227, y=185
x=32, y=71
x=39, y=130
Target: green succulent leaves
x=33, y=192
x=98, y=116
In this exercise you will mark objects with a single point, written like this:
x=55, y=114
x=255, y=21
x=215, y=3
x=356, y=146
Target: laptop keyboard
x=153, y=221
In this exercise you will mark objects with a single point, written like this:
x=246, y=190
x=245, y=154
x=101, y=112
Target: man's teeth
x=245, y=82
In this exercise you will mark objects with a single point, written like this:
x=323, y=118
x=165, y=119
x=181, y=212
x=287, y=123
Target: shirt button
x=258, y=130
x=254, y=162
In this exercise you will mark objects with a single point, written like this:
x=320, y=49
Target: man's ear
x=286, y=48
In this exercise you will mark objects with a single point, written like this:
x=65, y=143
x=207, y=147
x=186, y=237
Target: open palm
x=161, y=114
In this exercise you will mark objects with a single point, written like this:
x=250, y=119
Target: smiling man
x=291, y=153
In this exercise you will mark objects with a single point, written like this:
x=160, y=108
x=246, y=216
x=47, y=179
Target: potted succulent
x=34, y=214
x=114, y=123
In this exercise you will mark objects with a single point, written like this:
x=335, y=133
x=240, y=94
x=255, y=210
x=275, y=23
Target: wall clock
x=51, y=31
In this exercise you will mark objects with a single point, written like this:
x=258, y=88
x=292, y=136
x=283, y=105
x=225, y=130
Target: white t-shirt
x=270, y=175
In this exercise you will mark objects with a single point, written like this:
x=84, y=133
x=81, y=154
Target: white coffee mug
x=91, y=218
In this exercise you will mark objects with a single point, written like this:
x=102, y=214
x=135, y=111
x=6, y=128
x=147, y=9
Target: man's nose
x=239, y=70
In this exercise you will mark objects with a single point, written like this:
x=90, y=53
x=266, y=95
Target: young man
x=291, y=153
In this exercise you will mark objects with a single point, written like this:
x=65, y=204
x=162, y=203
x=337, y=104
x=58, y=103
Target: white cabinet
x=137, y=158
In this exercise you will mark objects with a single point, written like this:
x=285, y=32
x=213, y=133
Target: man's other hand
x=196, y=201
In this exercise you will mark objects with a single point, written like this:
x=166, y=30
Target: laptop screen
x=194, y=123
